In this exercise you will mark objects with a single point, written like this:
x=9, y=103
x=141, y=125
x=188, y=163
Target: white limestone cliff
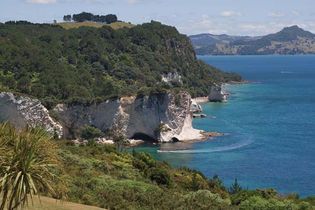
x=163, y=117
x=22, y=111
x=142, y=116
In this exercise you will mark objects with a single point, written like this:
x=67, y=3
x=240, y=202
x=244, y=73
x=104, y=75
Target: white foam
x=212, y=150
x=286, y=72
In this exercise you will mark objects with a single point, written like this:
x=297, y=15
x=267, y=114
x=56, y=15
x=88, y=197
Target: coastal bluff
x=163, y=117
x=22, y=111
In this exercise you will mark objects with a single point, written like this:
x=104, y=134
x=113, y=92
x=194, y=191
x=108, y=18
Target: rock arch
x=143, y=136
x=174, y=139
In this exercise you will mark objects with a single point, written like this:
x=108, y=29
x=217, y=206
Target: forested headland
x=87, y=63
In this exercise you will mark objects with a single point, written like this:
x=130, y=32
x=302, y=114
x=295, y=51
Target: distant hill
x=290, y=40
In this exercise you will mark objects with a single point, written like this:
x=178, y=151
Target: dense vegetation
x=86, y=16
x=84, y=64
x=99, y=175
x=28, y=166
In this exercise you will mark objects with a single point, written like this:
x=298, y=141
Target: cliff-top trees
x=28, y=165
x=67, y=18
x=86, y=16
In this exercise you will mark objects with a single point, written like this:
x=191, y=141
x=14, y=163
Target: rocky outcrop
x=74, y=117
x=217, y=94
x=163, y=117
x=195, y=107
x=172, y=77
x=22, y=111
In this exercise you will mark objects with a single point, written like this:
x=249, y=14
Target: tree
x=29, y=165
x=90, y=132
x=235, y=187
x=67, y=18
x=118, y=131
x=83, y=16
x=111, y=18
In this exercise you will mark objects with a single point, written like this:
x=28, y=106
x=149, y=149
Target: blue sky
x=235, y=17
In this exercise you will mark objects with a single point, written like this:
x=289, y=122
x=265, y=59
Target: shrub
x=29, y=165
x=89, y=132
x=257, y=203
x=160, y=176
x=204, y=199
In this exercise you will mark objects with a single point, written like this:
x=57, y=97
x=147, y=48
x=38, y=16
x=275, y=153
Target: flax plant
x=29, y=163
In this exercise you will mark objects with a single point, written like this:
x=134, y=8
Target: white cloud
x=230, y=14
x=276, y=14
x=41, y=1
x=133, y=1
x=296, y=13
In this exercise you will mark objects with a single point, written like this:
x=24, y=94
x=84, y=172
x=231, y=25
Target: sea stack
x=217, y=94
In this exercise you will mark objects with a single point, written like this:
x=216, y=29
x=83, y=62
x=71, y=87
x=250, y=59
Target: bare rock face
x=158, y=117
x=73, y=118
x=172, y=77
x=195, y=107
x=163, y=117
x=22, y=111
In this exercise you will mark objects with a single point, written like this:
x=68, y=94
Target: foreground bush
x=99, y=175
x=109, y=179
x=29, y=165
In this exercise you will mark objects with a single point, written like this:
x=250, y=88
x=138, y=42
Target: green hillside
x=32, y=163
x=88, y=63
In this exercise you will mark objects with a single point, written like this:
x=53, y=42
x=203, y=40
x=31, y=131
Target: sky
x=233, y=17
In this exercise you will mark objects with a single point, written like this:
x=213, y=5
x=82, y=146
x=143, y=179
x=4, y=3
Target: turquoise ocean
x=269, y=126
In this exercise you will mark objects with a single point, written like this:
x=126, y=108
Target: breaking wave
x=212, y=150
x=286, y=72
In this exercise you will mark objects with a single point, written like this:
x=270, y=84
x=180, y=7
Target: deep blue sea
x=269, y=126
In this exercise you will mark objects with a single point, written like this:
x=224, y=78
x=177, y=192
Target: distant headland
x=289, y=41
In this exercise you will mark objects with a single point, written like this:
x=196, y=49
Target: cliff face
x=163, y=117
x=22, y=111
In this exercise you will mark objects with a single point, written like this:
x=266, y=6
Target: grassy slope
x=46, y=203
x=116, y=25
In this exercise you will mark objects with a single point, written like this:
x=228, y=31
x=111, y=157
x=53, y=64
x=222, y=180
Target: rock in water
x=217, y=94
